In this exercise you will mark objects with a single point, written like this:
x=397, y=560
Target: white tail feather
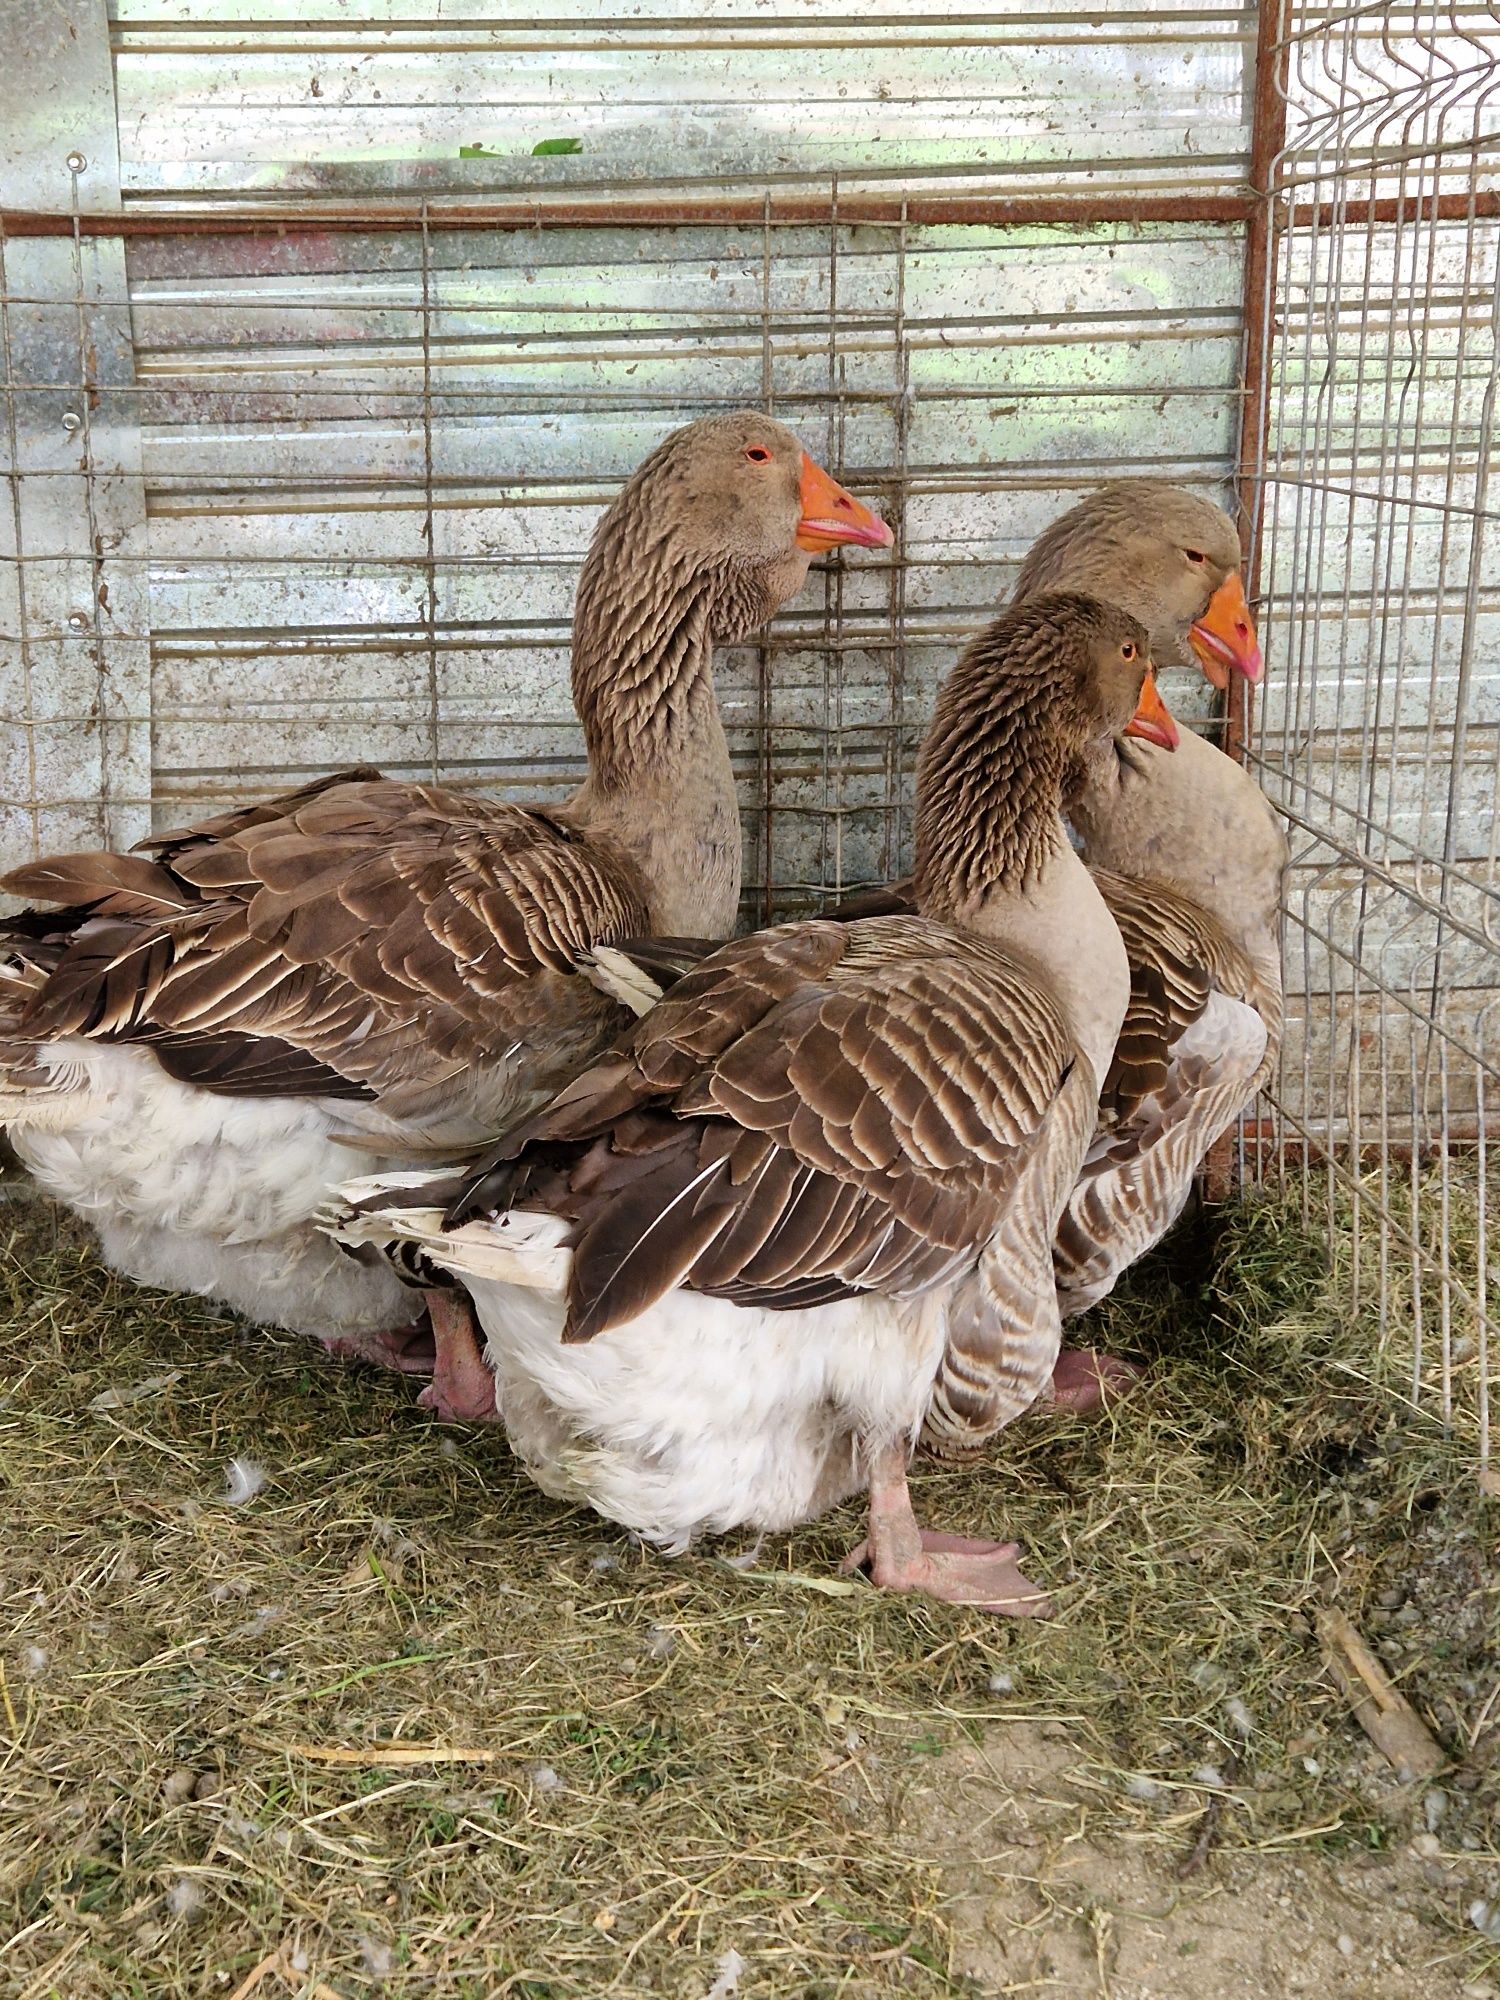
x=519, y=1248
x=616, y=974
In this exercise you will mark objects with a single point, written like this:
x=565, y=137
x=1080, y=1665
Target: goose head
x=1115, y=677
x=736, y=504
x=1169, y=557
x=1051, y=682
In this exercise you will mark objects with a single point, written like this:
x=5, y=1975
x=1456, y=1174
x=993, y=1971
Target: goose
x=1189, y=857
x=803, y=1211
x=191, y=1045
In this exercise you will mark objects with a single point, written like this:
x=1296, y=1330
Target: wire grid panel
x=1378, y=734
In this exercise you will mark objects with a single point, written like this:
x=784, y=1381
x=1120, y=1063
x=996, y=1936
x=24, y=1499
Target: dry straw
x=398, y=1724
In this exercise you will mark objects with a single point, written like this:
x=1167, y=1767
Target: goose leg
x=1085, y=1380
x=410, y=1350
x=462, y=1389
x=901, y=1556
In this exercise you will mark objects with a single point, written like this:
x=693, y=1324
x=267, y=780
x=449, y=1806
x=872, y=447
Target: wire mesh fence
x=310, y=407
x=1378, y=735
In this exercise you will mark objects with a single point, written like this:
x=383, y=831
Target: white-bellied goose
x=804, y=1211
x=188, y=1047
x=1189, y=857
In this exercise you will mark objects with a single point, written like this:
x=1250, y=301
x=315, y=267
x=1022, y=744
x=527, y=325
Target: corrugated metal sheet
x=371, y=459
x=226, y=97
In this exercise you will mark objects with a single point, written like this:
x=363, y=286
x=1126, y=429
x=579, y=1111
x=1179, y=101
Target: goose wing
x=818, y=1110
x=1181, y=958
x=358, y=937
x=1190, y=1053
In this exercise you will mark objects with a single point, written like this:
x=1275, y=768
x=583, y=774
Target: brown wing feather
x=890, y=899
x=379, y=935
x=817, y=1110
x=1178, y=955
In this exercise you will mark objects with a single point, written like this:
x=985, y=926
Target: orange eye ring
x=1128, y=650
x=757, y=454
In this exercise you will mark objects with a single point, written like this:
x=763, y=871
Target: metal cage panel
x=316, y=377
x=1378, y=734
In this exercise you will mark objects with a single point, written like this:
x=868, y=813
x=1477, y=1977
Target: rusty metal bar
x=664, y=212
x=758, y=211
x=1267, y=139
x=1273, y=1146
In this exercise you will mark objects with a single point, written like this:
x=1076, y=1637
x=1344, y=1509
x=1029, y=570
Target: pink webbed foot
x=957, y=1569
x=983, y=1576
x=1085, y=1380
x=409, y=1350
x=462, y=1389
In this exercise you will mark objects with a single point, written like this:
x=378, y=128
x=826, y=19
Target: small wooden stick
x=1380, y=1709
x=1208, y=1826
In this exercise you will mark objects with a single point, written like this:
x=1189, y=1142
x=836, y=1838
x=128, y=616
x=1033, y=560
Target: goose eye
x=1128, y=650
x=757, y=454
x=1195, y=555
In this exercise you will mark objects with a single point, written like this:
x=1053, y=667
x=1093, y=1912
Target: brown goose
x=1188, y=855
x=805, y=1209
x=189, y=1047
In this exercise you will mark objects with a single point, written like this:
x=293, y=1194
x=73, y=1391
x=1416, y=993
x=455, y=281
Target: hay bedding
x=246, y=1591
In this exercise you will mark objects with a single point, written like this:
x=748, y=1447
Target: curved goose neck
x=661, y=786
x=642, y=658
x=990, y=776
x=992, y=851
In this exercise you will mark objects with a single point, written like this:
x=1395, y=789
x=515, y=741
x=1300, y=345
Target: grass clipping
x=304, y=1694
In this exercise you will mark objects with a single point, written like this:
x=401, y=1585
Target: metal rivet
x=72, y=421
x=76, y=163
x=78, y=621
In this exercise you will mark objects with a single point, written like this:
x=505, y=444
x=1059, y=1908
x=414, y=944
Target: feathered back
x=815, y=1111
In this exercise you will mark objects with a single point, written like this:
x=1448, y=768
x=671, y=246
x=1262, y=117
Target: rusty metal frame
x=1268, y=118
x=436, y=215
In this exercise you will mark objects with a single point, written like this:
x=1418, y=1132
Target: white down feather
x=696, y=1417
x=200, y=1192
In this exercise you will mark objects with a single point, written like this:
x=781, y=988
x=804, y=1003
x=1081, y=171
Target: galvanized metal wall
x=374, y=419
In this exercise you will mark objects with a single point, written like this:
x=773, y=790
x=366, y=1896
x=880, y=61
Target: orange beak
x=1224, y=637
x=1151, y=718
x=831, y=517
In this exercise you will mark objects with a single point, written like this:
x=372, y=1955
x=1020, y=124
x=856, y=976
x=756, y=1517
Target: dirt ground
x=1038, y=1905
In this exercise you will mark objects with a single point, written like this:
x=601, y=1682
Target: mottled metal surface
x=75, y=671
x=228, y=98
x=372, y=460
x=58, y=136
